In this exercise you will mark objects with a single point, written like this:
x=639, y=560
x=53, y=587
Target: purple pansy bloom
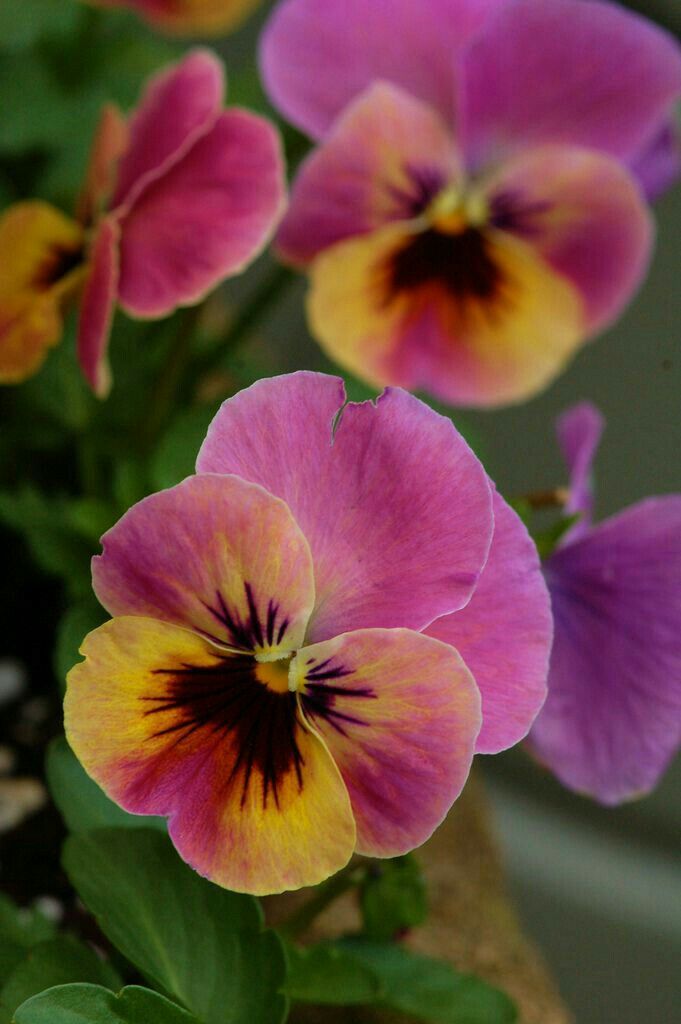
x=612, y=719
x=312, y=637
x=476, y=207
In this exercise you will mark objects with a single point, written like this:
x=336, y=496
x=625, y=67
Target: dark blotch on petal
x=228, y=702
x=459, y=262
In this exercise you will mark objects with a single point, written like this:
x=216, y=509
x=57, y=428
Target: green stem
x=264, y=296
x=300, y=920
x=174, y=370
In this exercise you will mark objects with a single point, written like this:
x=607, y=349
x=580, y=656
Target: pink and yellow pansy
x=475, y=208
x=177, y=197
x=311, y=638
x=188, y=17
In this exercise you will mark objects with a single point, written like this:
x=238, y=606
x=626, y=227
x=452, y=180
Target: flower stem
x=265, y=295
x=300, y=920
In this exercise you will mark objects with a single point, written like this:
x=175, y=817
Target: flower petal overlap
x=265, y=681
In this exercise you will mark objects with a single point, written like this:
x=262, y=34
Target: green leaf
x=547, y=540
x=393, y=898
x=23, y=22
x=74, y=626
x=175, y=456
x=428, y=989
x=81, y=802
x=326, y=974
x=54, y=542
x=203, y=945
x=89, y=1004
x=21, y=927
x=57, y=962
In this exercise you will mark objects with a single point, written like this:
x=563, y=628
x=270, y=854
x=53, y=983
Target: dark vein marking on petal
x=227, y=702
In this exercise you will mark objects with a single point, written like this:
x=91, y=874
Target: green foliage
x=393, y=898
x=27, y=22
x=57, y=962
x=428, y=989
x=89, y=1004
x=23, y=928
x=175, y=457
x=328, y=974
x=75, y=624
x=200, y=944
x=61, y=532
x=548, y=540
x=81, y=802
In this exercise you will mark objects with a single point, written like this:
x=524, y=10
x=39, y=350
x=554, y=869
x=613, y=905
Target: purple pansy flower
x=312, y=637
x=475, y=208
x=612, y=719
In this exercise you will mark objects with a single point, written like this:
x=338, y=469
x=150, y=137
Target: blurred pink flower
x=474, y=210
x=178, y=197
x=188, y=17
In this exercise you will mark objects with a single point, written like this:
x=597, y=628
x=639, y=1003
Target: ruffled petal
x=216, y=554
x=612, y=719
x=658, y=166
x=205, y=219
x=385, y=159
x=585, y=215
x=399, y=713
x=504, y=634
x=167, y=724
x=585, y=74
x=315, y=58
x=179, y=105
x=501, y=341
x=97, y=307
x=394, y=504
x=579, y=431
x=41, y=256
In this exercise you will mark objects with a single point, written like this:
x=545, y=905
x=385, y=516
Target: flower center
x=274, y=673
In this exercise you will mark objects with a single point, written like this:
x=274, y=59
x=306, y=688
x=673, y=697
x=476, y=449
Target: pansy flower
x=184, y=17
x=311, y=637
x=178, y=197
x=474, y=211
x=612, y=719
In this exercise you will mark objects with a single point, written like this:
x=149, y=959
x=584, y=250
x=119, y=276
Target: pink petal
x=586, y=217
x=587, y=74
x=504, y=634
x=179, y=105
x=399, y=713
x=385, y=159
x=395, y=505
x=205, y=219
x=612, y=719
x=579, y=431
x=215, y=554
x=97, y=307
x=316, y=57
x=110, y=142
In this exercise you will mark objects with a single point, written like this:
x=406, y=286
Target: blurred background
x=599, y=889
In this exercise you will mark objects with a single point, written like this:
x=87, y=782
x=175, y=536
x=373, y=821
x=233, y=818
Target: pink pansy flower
x=474, y=210
x=188, y=16
x=612, y=719
x=178, y=197
x=311, y=637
